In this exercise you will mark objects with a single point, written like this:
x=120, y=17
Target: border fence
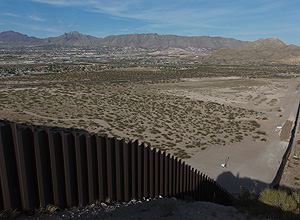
x=41, y=166
x=276, y=181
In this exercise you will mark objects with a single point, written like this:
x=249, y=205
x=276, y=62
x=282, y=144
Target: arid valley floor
x=201, y=119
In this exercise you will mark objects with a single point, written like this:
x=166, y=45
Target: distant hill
x=11, y=38
x=271, y=50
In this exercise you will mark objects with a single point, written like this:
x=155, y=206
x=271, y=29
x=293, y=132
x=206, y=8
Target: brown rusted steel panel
x=119, y=170
x=140, y=158
x=178, y=163
x=43, y=166
x=2, y=196
x=82, y=170
x=146, y=170
x=156, y=173
x=162, y=157
x=194, y=184
x=57, y=171
x=174, y=172
x=171, y=183
x=81, y=167
x=102, y=143
x=25, y=158
x=206, y=189
x=167, y=178
x=69, y=154
x=134, y=169
x=127, y=170
x=187, y=180
x=191, y=180
x=180, y=177
x=197, y=185
x=10, y=189
x=91, y=149
x=183, y=188
x=151, y=173
x=111, y=170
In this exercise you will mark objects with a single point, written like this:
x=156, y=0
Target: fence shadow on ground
x=233, y=183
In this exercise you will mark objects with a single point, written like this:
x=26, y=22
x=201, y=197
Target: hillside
x=271, y=50
x=11, y=38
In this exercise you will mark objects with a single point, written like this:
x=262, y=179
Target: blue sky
x=240, y=19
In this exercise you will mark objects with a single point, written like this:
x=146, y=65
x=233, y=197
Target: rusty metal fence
x=40, y=166
x=276, y=181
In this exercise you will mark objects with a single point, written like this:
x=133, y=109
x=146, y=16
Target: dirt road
x=252, y=164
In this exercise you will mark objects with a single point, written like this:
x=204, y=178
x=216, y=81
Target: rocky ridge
x=11, y=38
x=268, y=51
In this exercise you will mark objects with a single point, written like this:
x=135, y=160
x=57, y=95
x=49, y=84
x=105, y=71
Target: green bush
x=255, y=123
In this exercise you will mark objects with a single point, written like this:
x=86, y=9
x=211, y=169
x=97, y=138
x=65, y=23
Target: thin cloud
x=12, y=15
x=195, y=14
x=35, y=18
x=31, y=17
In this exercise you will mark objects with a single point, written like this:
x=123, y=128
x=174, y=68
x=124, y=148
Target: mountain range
x=11, y=38
x=268, y=51
x=228, y=50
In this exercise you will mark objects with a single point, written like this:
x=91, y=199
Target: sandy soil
x=252, y=164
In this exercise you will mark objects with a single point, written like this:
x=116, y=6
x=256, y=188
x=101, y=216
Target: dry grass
x=132, y=110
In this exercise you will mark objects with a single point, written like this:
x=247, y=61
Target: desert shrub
x=276, y=203
x=255, y=123
x=261, y=132
x=281, y=199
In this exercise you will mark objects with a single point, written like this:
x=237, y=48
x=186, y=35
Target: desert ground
x=200, y=120
x=252, y=163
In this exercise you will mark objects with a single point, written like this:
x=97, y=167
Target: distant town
x=20, y=61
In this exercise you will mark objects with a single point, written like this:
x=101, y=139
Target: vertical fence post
x=174, y=164
x=102, y=145
x=170, y=175
x=68, y=145
x=157, y=173
x=82, y=170
x=140, y=158
x=151, y=173
x=43, y=165
x=162, y=175
x=166, y=173
x=111, y=169
x=91, y=147
x=134, y=169
x=146, y=170
x=194, y=185
x=181, y=180
x=191, y=181
x=197, y=186
x=184, y=189
x=8, y=171
x=24, y=148
x=187, y=180
x=57, y=171
x=127, y=171
x=178, y=163
x=119, y=170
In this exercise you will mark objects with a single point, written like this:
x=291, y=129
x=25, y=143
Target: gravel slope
x=164, y=208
